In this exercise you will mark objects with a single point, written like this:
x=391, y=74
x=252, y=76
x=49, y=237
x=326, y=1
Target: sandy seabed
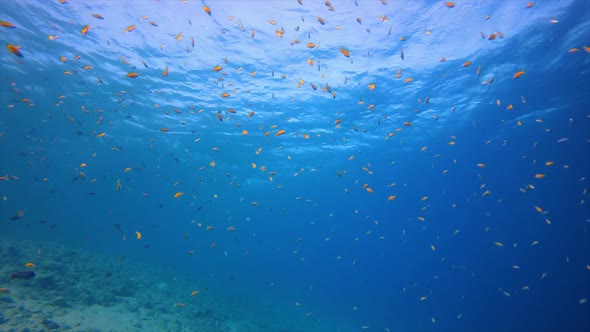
x=76, y=289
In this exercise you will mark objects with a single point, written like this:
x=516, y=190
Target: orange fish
x=130, y=28
x=540, y=176
x=207, y=10
x=165, y=73
x=372, y=86
x=98, y=16
x=518, y=74
x=29, y=265
x=280, y=132
x=217, y=68
x=450, y=4
x=321, y=20
x=407, y=124
x=467, y=63
x=14, y=50
x=178, y=194
x=345, y=52
x=85, y=30
x=178, y=37
x=219, y=117
x=7, y=24
x=132, y=74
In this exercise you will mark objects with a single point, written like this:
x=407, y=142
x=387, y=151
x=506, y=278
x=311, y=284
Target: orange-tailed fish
x=7, y=24
x=14, y=50
x=518, y=74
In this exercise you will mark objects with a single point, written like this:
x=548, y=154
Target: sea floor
x=76, y=289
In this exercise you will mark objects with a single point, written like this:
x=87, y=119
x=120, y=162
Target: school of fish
x=233, y=105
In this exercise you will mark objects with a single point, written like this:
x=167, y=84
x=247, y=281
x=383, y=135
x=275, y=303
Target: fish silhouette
x=22, y=275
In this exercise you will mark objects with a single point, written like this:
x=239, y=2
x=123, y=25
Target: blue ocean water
x=432, y=174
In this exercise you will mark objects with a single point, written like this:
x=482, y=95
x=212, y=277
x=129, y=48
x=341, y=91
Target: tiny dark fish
x=43, y=221
x=402, y=53
x=118, y=227
x=92, y=193
x=22, y=275
x=75, y=178
x=147, y=246
x=13, y=218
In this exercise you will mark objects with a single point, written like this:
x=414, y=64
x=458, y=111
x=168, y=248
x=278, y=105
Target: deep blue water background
x=316, y=238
